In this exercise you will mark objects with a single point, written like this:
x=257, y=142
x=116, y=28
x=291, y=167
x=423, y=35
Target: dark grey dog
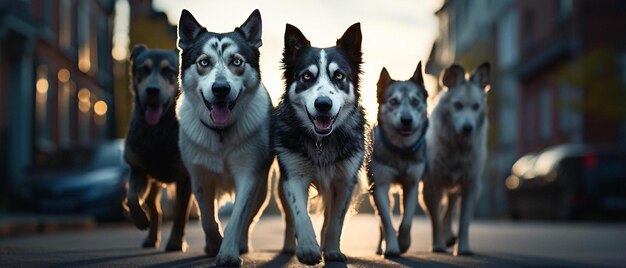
x=398, y=154
x=152, y=146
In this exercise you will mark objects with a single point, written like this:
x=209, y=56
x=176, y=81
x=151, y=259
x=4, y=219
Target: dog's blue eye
x=203, y=63
x=458, y=105
x=393, y=102
x=307, y=76
x=415, y=102
x=237, y=62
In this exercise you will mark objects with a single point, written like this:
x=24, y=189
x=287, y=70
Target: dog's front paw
x=151, y=243
x=227, y=260
x=392, y=253
x=176, y=245
x=334, y=256
x=309, y=253
x=140, y=220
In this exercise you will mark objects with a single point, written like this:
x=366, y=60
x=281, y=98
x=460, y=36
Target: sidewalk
x=12, y=223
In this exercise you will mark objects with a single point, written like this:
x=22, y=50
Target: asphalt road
x=496, y=243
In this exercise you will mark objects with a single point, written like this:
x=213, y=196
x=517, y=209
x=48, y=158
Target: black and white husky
x=224, y=113
x=457, y=149
x=318, y=132
x=398, y=154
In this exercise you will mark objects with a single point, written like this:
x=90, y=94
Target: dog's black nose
x=323, y=104
x=220, y=89
x=406, y=120
x=467, y=128
x=153, y=91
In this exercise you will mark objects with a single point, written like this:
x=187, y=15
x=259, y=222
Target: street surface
x=496, y=243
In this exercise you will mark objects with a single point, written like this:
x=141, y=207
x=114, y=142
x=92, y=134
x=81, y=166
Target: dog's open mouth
x=153, y=113
x=220, y=110
x=406, y=131
x=323, y=124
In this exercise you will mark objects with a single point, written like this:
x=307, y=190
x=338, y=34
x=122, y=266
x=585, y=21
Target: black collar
x=401, y=150
x=218, y=130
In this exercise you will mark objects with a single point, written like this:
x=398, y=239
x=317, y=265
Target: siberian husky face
x=402, y=104
x=217, y=68
x=322, y=82
x=464, y=102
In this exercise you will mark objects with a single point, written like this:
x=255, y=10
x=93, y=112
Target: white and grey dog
x=457, y=149
x=318, y=130
x=224, y=113
x=398, y=155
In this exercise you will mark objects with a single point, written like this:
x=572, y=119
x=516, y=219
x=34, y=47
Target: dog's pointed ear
x=351, y=42
x=137, y=50
x=480, y=76
x=417, y=75
x=383, y=82
x=452, y=76
x=294, y=41
x=252, y=28
x=188, y=29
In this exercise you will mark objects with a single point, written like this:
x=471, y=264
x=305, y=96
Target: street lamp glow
x=100, y=108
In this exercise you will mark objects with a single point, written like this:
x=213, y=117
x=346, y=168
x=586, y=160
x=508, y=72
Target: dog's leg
x=204, y=191
x=183, y=198
x=135, y=195
x=381, y=200
x=409, y=203
x=261, y=198
x=431, y=198
x=469, y=196
x=341, y=195
x=327, y=202
x=296, y=193
x=153, y=203
x=448, y=234
x=245, y=186
x=289, y=245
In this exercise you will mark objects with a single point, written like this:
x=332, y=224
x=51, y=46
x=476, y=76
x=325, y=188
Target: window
x=63, y=102
x=65, y=24
x=84, y=37
x=43, y=109
x=545, y=113
x=528, y=23
x=564, y=8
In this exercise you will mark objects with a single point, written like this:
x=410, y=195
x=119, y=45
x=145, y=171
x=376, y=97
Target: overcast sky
x=396, y=33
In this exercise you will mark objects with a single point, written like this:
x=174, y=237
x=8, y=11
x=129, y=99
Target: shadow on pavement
x=103, y=260
x=187, y=262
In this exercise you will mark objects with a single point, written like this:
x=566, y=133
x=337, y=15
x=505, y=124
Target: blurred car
x=573, y=181
x=90, y=181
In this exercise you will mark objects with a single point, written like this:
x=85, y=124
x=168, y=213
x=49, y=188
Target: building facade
x=56, y=81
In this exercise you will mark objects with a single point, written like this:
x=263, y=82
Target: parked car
x=90, y=181
x=574, y=181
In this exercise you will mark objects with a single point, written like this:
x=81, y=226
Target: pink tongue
x=220, y=113
x=323, y=122
x=153, y=115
